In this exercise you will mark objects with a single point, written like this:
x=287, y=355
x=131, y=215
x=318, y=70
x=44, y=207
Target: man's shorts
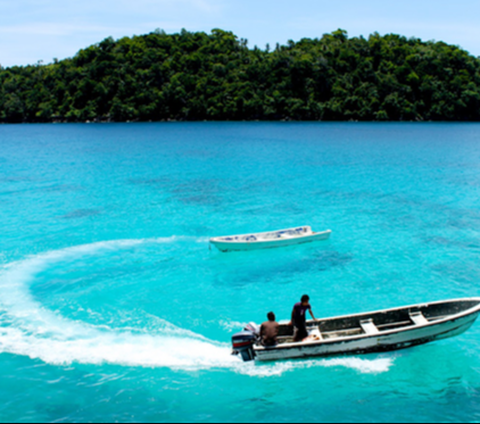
x=269, y=343
x=300, y=333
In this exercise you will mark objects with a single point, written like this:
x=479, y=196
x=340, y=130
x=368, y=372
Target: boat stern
x=243, y=343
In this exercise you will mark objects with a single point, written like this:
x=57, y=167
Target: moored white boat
x=380, y=331
x=281, y=238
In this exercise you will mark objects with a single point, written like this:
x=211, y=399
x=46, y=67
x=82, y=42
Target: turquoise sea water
x=113, y=308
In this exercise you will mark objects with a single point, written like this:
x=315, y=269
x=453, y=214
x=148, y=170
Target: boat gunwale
x=412, y=327
x=222, y=238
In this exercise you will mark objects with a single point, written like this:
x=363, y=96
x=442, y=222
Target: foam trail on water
x=28, y=329
x=120, y=349
x=40, y=334
x=364, y=366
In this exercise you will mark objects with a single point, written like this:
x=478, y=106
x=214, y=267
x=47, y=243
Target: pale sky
x=33, y=30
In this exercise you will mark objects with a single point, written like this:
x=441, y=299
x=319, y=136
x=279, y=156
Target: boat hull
x=403, y=339
x=226, y=246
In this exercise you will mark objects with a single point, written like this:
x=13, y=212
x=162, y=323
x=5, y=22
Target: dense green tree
x=199, y=76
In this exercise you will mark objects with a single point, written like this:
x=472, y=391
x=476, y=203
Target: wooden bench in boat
x=369, y=327
x=418, y=318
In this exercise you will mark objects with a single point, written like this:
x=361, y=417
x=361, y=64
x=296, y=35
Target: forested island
x=194, y=76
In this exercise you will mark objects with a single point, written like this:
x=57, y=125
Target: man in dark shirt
x=299, y=320
x=269, y=331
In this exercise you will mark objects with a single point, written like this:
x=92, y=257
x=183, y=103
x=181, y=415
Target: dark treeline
x=199, y=76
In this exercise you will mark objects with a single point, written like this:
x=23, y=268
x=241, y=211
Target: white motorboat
x=380, y=331
x=269, y=240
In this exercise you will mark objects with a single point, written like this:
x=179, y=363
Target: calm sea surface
x=113, y=308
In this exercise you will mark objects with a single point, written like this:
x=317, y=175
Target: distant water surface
x=113, y=308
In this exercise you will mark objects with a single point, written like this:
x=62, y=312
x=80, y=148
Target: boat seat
x=418, y=318
x=369, y=327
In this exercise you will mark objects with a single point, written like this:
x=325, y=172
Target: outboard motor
x=253, y=328
x=243, y=342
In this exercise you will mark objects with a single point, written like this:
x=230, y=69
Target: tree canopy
x=197, y=76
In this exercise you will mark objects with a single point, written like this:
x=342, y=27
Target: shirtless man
x=269, y=331
x=299, y=320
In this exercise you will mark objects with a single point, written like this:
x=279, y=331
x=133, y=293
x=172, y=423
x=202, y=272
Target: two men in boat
x=269, y=330
x=299, y=320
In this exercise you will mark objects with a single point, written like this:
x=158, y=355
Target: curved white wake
x=28, y=329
